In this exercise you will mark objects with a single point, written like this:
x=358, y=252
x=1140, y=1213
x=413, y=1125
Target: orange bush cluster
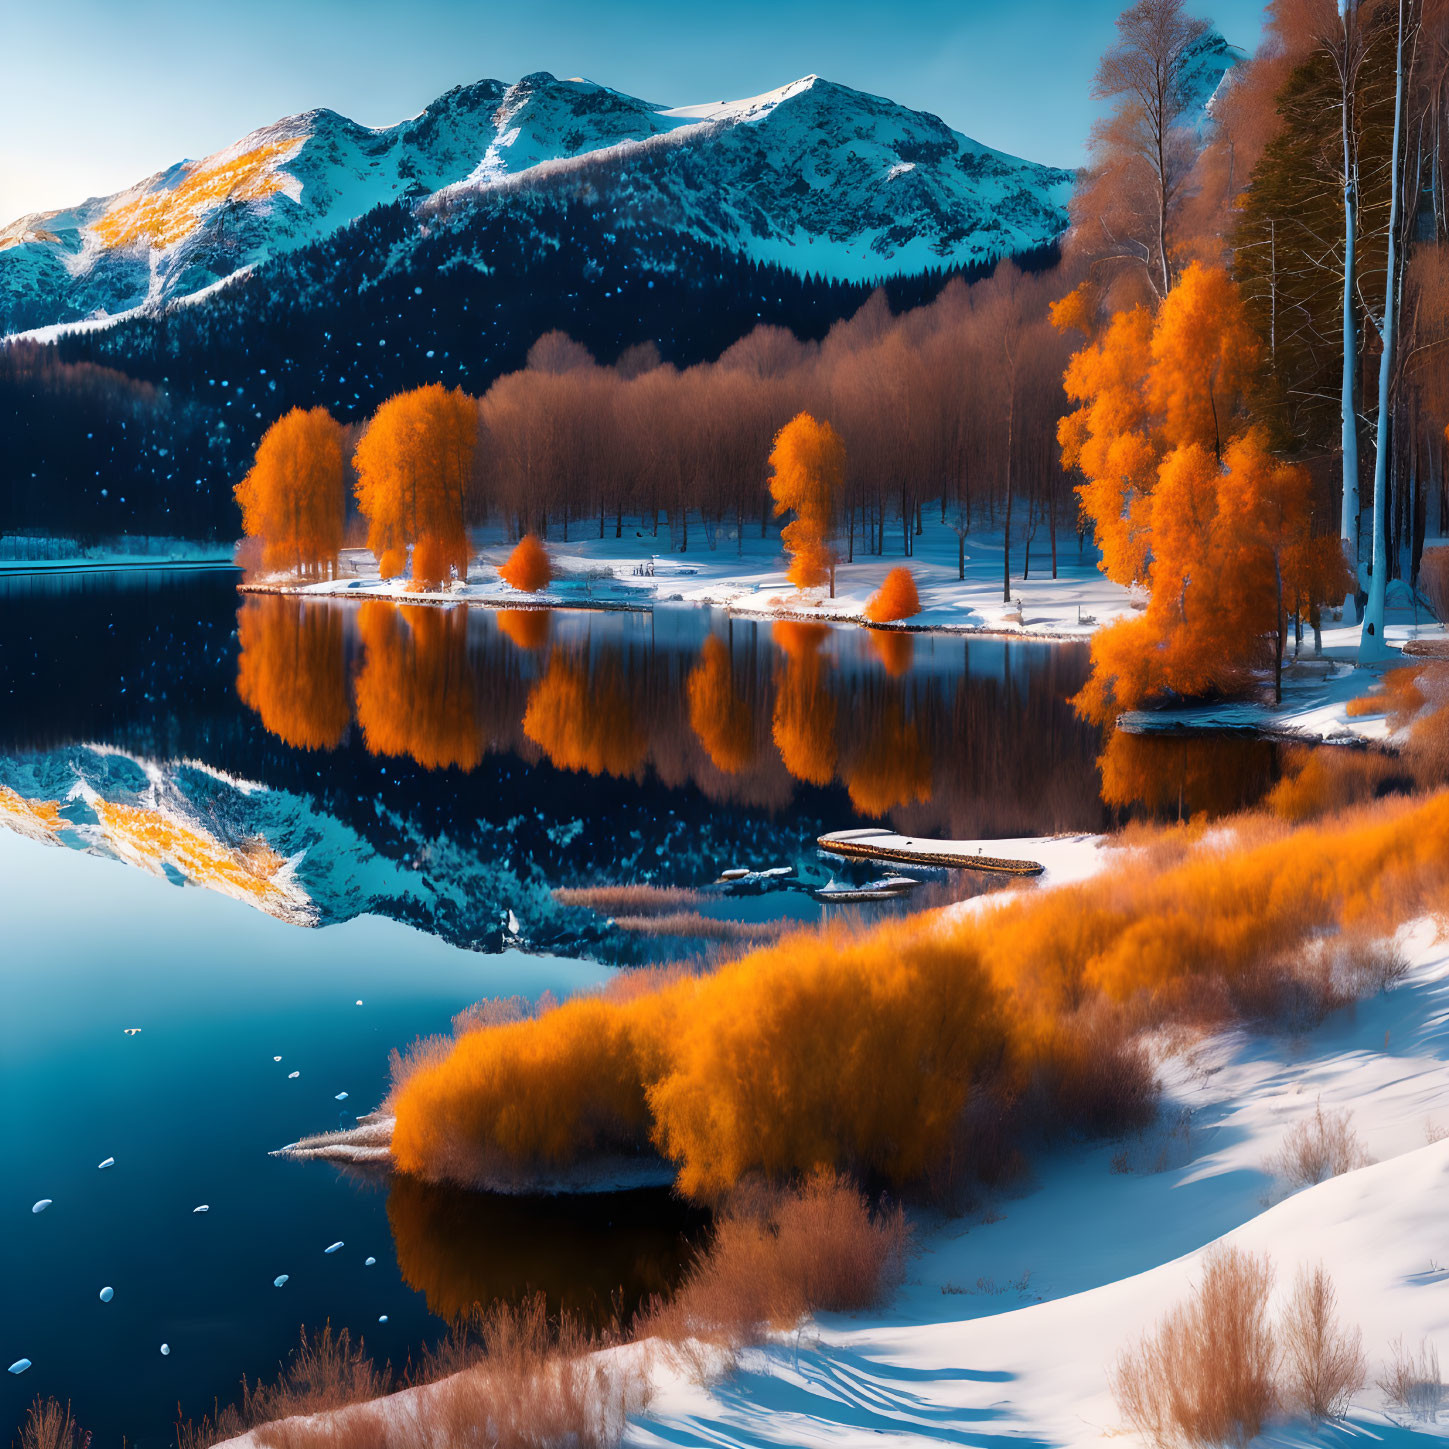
x=868, y=1053
x=895, y=599
x=807, y=476
x=527, y=568
x=1187, y=499
x=292, y=497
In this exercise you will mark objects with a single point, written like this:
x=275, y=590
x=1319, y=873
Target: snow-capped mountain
x=814, y=176
x=1205, y=71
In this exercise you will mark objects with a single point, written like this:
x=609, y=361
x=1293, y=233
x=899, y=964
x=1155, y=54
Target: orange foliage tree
x=414, y=476
x=1186, y=499
x=292, y=497
x=721, y=719
x=415, y=689
x=292, y=669
x=895, y=599
x=808, y=473
x=527, y=568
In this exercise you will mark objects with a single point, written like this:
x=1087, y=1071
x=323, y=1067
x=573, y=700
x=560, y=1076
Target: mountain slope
x=813, y=176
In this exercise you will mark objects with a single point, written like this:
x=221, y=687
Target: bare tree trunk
x=1371, y=641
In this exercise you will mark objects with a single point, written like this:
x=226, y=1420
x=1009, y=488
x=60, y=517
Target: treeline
x=392, y=303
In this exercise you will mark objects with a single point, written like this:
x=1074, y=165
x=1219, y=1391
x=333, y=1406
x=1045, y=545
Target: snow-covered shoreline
x=746, y=577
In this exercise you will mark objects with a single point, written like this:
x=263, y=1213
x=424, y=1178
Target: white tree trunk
x=1371, y=641
x=1348, y=522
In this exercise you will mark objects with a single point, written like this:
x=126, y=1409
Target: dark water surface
x=231, y=818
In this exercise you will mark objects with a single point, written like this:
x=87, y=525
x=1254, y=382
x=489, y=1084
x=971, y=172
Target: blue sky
x=99, y=93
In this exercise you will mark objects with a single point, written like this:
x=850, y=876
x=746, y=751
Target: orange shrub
x=867, y=1052
x=895, y=599
x=527, y=568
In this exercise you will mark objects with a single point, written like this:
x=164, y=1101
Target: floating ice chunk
x=203, y=1208
x=291, y=1075
x=276, y=1059
x=340, y=1097
x=109, y=1162
x=334, y=1247
x=369, y=1262
x=165, y=1350
x=382, y=1318
x=359, y=1003
x=20, y=1365
x=107, y=1294
x=131, y=1030
x=41, y=1206
x=280, y=1279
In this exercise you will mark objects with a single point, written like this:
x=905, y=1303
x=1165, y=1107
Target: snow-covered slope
x=814, y=175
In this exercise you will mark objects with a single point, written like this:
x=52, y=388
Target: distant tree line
x=344, y=324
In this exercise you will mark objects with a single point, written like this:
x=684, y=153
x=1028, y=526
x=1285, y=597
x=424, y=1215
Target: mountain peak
x=809, y=175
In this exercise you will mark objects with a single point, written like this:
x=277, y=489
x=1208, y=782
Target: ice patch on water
x=20, y=1365
x=334, y=1247
x=204, y=1208
x=340, y=1097
x=109, y=1162
x=291, y=1075
x=369, y=1262
x=41, y=1206
x=280, y=1279
x=107, y=1294
x=165, y=1350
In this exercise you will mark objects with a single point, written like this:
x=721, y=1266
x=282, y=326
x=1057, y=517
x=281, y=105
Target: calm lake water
x=232, y=818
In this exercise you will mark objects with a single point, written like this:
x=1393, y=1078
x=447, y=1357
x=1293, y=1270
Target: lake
x=245, y=828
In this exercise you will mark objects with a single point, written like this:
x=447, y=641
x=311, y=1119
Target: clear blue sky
x=100, y=93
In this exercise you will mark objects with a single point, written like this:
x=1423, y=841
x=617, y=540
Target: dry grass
x=1205, y=1375
x=1323, y=1362
x=1411, y=1381
x=326, y=1371
x=632, y=900
x=777, y=1255
x=50, y=1425
x=695, y=926
x=1319, y=1147
x=514, y=1380
x=529, y=1382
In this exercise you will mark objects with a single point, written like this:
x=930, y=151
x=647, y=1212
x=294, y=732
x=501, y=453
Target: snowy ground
x=1005, y=1332
x=1316, y=687
x=748, y=577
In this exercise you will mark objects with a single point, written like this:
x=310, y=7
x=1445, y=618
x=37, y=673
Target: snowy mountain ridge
x=814, y=176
